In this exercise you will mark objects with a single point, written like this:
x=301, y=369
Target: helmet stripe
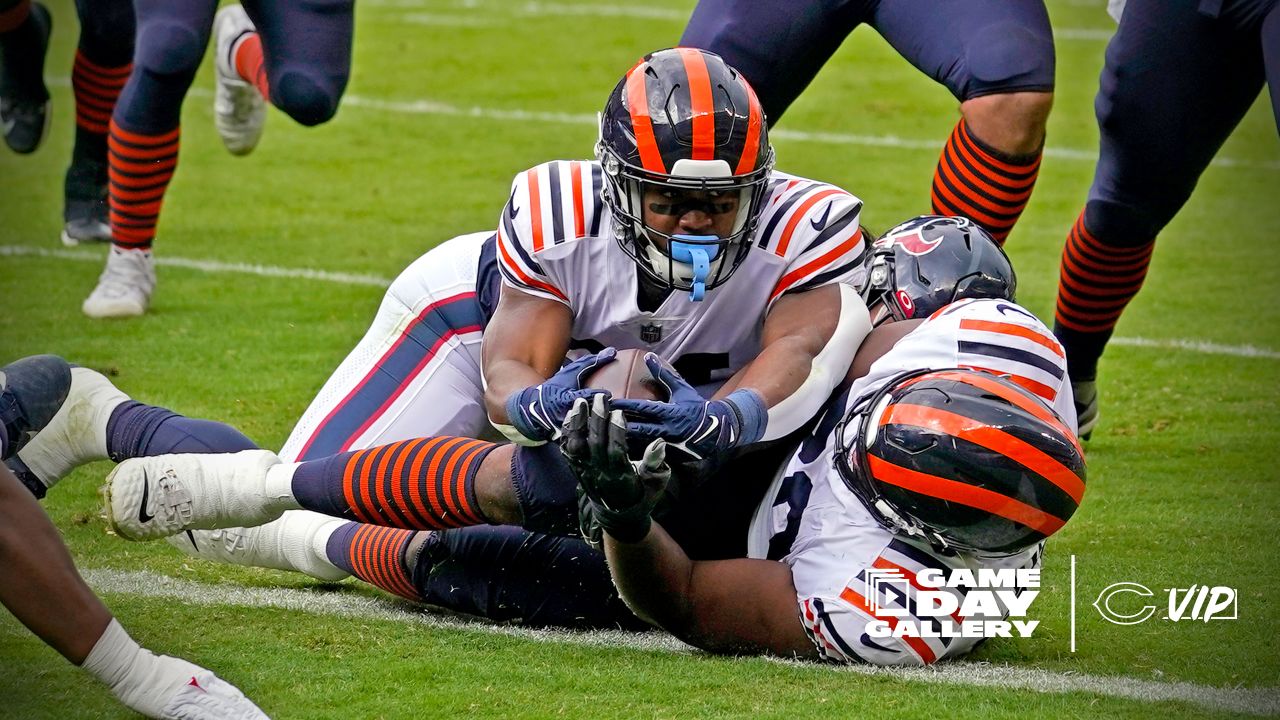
x=641, y=123
x=965, y=494
x=701, y=103
x=989, y=437
x=987, y=381
x=755, y=122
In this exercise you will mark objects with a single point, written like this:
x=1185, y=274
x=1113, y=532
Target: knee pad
x=1007, y=57
x=303, y=98
x=169, y=49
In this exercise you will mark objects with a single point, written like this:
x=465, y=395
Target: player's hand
x=622, y=493
x=537, y=412
x=700, y=427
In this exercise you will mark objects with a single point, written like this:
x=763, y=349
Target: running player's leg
x=996, y=57
x=306, y=49
x=24, y=99
x=1271, y=58
x=1174, y=86
x=778, y=46
x=143, y=142
x=103, y=61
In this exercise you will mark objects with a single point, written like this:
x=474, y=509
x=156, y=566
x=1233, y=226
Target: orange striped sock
x=140, y=168
x=249, y=63
x=96, y=89
x=1096, y=282
x=424, y=484
x=376, y=555
x=986, y=186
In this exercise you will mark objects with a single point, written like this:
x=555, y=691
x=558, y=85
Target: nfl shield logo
x=650, y=333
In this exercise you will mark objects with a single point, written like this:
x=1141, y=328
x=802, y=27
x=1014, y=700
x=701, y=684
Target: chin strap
x=698, y=251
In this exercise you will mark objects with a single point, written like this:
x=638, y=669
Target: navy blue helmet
x=682, y=120
x=931, y=261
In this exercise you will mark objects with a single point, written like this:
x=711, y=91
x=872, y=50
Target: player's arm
x=527, y=392
x=730, y=606
x=524, y=343
x=726, y=606
x=809, y=341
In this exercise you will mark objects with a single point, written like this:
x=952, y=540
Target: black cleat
x=24, y=101
x=85, y=212
x=31, y=392
x=1086, y=397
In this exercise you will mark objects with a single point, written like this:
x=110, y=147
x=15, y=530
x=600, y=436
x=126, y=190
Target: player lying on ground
x=498, y=572
x=40, y=586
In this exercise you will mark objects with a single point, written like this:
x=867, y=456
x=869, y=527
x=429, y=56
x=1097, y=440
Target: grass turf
x=1183, y=480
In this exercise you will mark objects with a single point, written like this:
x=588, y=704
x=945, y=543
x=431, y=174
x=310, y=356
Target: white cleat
x=77, y=434
x=154, y=497
x=239, y=110
x=296, y=542
x=125, y=286
x=205, y=696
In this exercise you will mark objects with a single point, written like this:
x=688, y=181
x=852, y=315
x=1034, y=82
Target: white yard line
x=272, y=271
x=1256, y=701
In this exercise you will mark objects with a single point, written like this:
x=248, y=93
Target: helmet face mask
x=928, y=262
x=913, y=453
x=684, y=126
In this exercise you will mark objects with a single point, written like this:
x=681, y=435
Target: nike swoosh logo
x=142, y=509
x=715, y=423
x=822, y=221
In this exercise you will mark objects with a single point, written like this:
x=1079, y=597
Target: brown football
x=627, y=377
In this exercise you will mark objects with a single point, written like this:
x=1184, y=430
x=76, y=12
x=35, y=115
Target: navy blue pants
x=306, y=45
x=1179, y=76
x=973, y=47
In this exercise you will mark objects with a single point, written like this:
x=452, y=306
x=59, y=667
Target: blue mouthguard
x=698, y=251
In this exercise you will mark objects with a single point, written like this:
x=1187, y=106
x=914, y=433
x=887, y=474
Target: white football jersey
x=556, y=240
x=810, y=520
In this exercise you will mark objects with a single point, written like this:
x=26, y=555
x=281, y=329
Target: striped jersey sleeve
x=550, y=204
x=815, y=228
x=857, y=624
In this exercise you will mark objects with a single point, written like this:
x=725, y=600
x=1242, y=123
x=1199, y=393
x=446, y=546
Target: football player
x=295, y=55
x=502, y=573
x=1178, y=78
x=40, y=586
x=995, y=56
x=102, y=64
x=633, y=250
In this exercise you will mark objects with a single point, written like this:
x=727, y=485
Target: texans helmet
x=931, y=261
x=683, y=120
x=963, y=459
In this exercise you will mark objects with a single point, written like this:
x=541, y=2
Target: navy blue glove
x=537, y=412
x=700, y=427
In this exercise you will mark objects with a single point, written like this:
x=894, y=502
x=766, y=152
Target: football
x=627, y=377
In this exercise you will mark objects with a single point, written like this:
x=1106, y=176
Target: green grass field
x=447, y=101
